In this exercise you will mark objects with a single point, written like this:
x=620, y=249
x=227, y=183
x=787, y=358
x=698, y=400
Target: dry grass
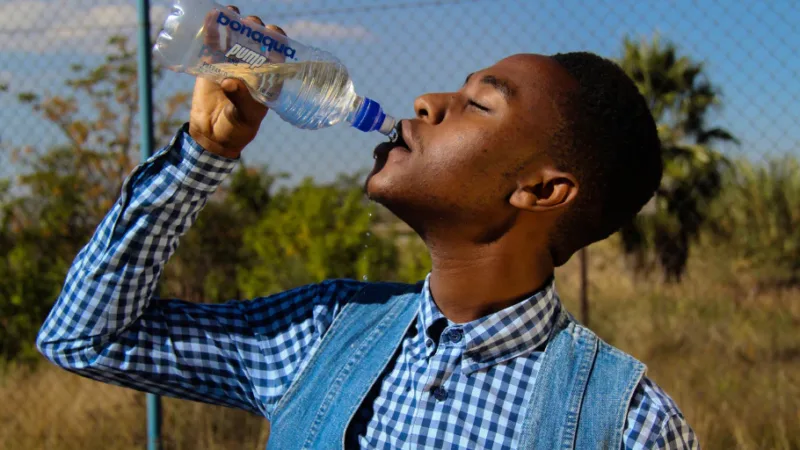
x=50, y=409
x=729, y=356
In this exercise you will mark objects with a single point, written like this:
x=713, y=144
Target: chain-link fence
x=703, y=287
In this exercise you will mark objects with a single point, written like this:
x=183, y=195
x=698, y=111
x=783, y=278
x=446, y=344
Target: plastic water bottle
x=305, y=86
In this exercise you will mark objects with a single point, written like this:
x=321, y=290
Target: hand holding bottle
x=224, y=116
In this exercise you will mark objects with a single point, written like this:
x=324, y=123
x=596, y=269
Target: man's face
x=466, y=149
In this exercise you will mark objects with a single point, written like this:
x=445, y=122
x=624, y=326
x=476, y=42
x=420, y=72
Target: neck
x=469, y=281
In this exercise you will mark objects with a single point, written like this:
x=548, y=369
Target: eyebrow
x=503, y=86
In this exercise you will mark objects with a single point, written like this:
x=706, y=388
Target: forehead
x=539, y=82
x=531, y=69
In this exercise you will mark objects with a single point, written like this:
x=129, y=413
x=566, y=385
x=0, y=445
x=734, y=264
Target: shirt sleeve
x=106, y=325
x=676, y=435
x=655, y=422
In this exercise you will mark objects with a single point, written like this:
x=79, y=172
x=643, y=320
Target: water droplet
x=365, y=278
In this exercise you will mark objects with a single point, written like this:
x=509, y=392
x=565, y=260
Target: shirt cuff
x=197, y=168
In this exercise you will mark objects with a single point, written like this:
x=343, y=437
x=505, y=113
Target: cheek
x=472, y=165
x=463, y=152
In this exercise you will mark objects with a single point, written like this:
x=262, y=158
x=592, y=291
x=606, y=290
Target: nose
x=432, y=108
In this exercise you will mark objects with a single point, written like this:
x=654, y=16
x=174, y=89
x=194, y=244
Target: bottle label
x=266, y=42
x=246, y=55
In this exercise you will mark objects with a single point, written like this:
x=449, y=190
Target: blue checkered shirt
x=450, y=385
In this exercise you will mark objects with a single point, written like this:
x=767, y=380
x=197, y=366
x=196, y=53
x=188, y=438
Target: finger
x=274, y=28
x=255, y=19
x=246, y=109
x=235, y=8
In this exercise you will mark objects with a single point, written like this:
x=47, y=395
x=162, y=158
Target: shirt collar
x=495, y=338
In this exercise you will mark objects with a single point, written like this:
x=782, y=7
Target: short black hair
x=609, y=141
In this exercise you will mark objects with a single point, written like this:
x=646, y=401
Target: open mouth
x=383, y=149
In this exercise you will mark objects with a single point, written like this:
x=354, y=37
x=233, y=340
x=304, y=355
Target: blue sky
x=396, y=51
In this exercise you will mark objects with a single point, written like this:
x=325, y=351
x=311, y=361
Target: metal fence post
x=146, y=123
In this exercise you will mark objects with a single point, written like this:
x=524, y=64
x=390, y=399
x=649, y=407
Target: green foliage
x=680, y=97
x=63, y=191
x=31, y=281
x=758, y=219
x=250, y=242
x=205, y=266
x=415, y=260
x=314, y=232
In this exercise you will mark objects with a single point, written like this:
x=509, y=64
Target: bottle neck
x=367, y=115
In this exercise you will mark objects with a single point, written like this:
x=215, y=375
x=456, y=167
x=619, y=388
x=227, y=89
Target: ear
x=545, y=190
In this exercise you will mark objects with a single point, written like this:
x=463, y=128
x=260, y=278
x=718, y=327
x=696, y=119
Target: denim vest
x=580, y=399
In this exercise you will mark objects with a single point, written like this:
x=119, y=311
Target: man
x=504, y=179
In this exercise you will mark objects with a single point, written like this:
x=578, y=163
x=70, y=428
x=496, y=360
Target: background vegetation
x=704, y=286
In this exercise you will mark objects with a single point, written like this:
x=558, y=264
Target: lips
x=383, y=149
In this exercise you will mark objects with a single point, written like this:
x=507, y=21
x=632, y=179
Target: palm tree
x=680, y=98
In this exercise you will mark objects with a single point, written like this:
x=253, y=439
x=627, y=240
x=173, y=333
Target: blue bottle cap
x=370, y=116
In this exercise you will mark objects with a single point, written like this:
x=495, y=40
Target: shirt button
x=455, y=334
x=439, y=393
x=429, y=342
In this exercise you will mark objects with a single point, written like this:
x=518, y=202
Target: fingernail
x=235, y=9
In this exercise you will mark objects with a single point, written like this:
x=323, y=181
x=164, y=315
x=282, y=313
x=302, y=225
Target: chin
x=385, y=190
x=377, y=187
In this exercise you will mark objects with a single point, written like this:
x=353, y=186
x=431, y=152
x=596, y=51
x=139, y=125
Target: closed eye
x=477, y=105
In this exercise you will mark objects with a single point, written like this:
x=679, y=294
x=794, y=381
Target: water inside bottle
x=320, y=79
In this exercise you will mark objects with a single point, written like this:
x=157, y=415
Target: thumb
x=245, y=109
